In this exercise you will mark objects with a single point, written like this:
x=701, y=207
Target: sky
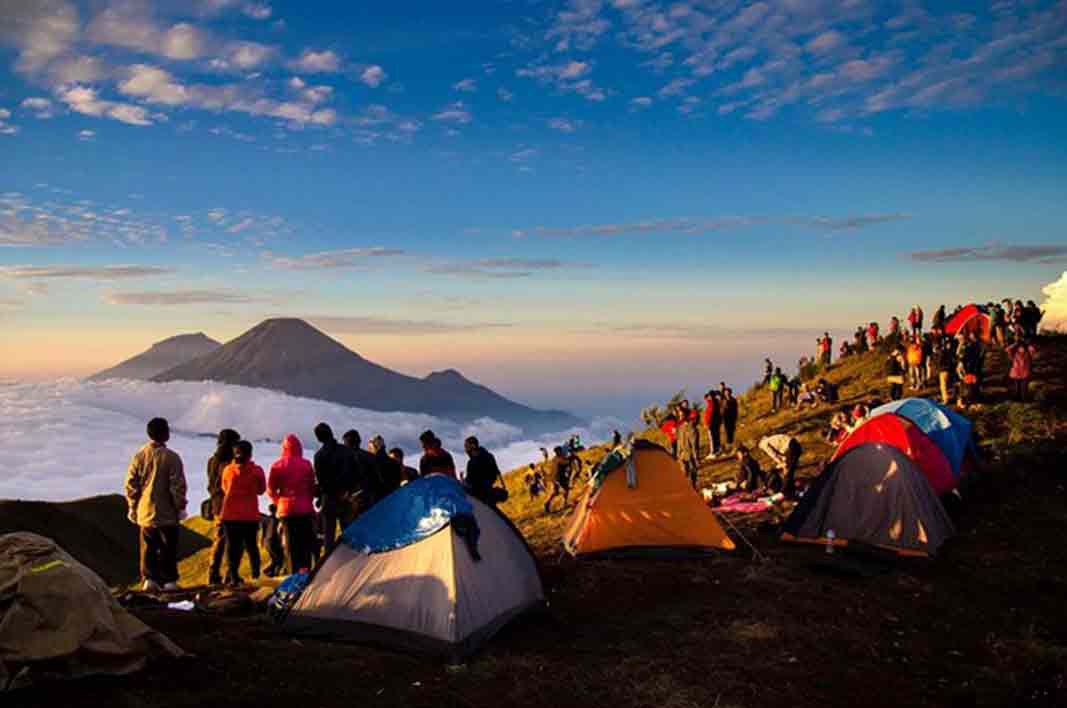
x=583, y=204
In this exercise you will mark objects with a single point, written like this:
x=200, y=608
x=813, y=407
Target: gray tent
x=58, y=619
x=873, y=494
x=429, y=569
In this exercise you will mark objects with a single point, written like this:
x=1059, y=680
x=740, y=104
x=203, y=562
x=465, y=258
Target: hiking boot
x=234, y=582
x=171, y=587
x=150, y=586
x=214, y=580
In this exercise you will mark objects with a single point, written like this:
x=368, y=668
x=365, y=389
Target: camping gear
x=661, y=515
x=904, y=435
x=873, y=494
x=58, y=619
x=949, y=430
x=970, y=319
x=428, y=569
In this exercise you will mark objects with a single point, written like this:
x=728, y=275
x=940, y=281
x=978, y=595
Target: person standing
x=156, y=489
x=826, y=345
x=242, y=482
x=559, y=468
x=482, y=473
x=291, y=486
x=938, y=322
x=689, y=449
x=729, y=416
x=366, y=487
x=768, y=370
x=435, y=459
x=945, y=364
x=390, y=472
x=915, y=362
x=669, y=427
x=335, y=473
x=616, y=439
x=894, y=374
x=222, y=457
x=407, y=474
x=1022, y=354
x=777, y=387
x=713, y=422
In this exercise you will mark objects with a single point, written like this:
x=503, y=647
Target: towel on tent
x=743, y=504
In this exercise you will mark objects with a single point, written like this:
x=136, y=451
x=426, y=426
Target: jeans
x=159, y=553
x=335, y=510
x=241, y=536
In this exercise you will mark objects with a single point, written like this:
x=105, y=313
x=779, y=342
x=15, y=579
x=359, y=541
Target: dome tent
x=970, y=319
x=949, y=430
x=876, y=495
x=428, y=569
x=905, y=436
x=641, y=504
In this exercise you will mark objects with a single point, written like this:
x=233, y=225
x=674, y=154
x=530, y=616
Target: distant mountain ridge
x=291, y=356
x=160, y=357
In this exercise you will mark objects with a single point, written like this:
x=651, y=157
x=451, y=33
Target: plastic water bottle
x=830, y=536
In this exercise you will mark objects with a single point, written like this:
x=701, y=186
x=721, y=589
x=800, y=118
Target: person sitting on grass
x=155, y=493
x=243, y=482
x=559, y=468
x=785, y=451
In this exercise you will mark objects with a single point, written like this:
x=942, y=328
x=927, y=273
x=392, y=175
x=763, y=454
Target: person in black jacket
x=215, y=465
x=335, y=471
x=482, y=472
x=729, y=416
x=894, y=374
x=367, y=486
x=390, y=473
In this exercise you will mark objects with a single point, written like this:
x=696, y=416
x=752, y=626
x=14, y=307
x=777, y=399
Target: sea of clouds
x=69, y=439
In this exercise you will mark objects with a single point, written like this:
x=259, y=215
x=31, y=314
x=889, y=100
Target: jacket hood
x=291, y=446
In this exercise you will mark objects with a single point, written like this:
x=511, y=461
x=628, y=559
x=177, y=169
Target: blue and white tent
x=427, y=569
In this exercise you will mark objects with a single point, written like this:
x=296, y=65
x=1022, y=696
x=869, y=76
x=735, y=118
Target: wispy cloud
x=179, y=297
x=403, y=327
x=498, y=268
x=332, y=260
x=103, y=273
x=465, y=85
x=707, y=225
x=313, y=61
x=1020, y=253
x=456, y=112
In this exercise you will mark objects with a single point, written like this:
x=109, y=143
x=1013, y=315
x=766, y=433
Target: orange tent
x=644, y=506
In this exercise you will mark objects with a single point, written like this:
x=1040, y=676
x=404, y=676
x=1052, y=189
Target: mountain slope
x=160, y=357
x=291, y=356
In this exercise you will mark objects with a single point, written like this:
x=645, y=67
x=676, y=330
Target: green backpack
x=776, y=382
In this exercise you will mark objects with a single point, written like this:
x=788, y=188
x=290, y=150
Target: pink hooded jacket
x=291, y=484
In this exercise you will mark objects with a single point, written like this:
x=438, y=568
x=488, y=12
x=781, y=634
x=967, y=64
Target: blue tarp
x=949, y=430
x=416, y=511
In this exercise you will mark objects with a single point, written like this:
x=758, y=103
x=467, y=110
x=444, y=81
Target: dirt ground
x=984, y=624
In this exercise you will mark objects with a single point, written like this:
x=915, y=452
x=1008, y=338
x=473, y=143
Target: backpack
x=776, y=383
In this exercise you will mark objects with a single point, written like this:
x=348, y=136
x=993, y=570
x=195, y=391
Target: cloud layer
x=42, y=425
x=1055, y=305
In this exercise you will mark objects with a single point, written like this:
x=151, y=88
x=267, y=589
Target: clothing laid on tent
x=905, y=436
x=874, y=494
x=427, y=569
x=644, y=505
x=949, y=430
x=970, y=319
x=58, y=619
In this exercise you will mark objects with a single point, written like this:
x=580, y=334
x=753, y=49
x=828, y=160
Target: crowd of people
x=310, y=500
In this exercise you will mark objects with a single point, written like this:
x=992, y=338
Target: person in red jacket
x=713, y=422
x=291, y=486
x=669, y=427
x=242, y=483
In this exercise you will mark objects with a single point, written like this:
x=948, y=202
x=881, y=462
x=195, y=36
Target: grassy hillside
x=981, y=625
x=95, y=531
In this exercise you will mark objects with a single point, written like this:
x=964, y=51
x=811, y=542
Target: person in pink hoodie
x=291, y=486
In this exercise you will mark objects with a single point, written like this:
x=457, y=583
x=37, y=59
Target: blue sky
x=566, y=200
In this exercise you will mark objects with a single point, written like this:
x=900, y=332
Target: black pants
x=335, y=511
x=789, y=484
x=159, y=553
x=1020, y=386
x=272, y=539
x=896, y=391
x=731, y=425
x=241, y=536
x=299, y=532
x=218, y=552
x=715, y=434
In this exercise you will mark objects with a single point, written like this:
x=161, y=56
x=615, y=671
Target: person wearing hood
x=222, y=457
x=292, y=488
x=242, y=483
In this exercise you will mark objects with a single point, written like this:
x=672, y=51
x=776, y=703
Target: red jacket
x=291, y=484
x=242, y=485
x=711, y=410
x=670, y=429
